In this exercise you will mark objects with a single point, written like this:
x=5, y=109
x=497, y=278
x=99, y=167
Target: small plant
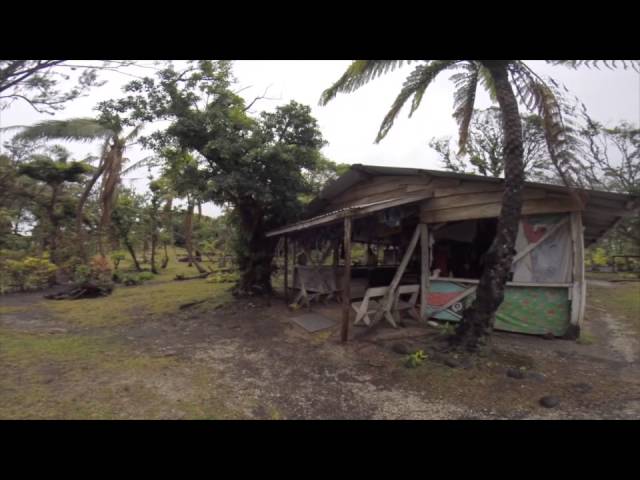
x=117, y=257
x=447, y=329
x=585, y=338
x=144, y=276
x=415, y=359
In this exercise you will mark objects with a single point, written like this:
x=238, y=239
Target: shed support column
x=390, y=297
x=346, y=281
x=424, y=270
x=286, y=269
x=578, y=291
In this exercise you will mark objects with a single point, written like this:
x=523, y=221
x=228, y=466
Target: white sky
x=351, y=121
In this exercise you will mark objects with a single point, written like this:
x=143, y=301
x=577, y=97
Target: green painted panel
x=534, y=310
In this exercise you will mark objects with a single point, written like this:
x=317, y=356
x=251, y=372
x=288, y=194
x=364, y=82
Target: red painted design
x=437, y=299
x=532, y=234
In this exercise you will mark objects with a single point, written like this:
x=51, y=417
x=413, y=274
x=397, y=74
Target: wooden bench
x=369, y=305
x=407, y=305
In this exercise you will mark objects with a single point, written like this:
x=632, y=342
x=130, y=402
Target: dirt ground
x=248, y=360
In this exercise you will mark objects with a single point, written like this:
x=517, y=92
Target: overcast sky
x=350, y=122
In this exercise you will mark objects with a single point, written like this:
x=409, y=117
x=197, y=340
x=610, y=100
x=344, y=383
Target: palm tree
x=499, y=77
x=54, y=170
x=110, y=166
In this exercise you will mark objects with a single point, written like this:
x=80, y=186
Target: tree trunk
x=189, y=238
x=52, y=239
x=165, y=260
x=474, y=331
x=80, y=211
x=133, y=254
x=254, y=252
x=145, y=247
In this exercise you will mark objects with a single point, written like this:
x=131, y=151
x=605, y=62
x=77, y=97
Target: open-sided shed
x=434, y=228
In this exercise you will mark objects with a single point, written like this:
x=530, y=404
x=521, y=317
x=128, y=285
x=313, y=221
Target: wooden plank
x=346, y=282
x=472, y=199
x=510, y=284
x=388, y=301
x=492, y=210
x=424, y=269
x=286, y=269
x=578, y=294
x=468, y=187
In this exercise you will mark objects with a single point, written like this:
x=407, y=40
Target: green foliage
x=215, y=151
x=415, y=359
x=28, y=273
x=484, y=144
x=117, y=257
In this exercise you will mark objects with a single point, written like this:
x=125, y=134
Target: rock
x=433, y=324
x=549, y=336
x=583, y=387
x=515, y=373
x=450, y=362
x=549, y=401
x=56, y=330
x=467, y=363
x=538, y=377
x=400, y=348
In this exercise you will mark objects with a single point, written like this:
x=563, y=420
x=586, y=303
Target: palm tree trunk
x=80, y=210
x=473, y=332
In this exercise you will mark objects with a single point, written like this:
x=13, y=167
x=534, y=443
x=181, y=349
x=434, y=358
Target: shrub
x=117, y=257
x=29, y=273
x=144, y=276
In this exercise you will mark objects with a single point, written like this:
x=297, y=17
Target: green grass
x=621, y=300
x=129, y=303
x=91, y=377
x=586, y=338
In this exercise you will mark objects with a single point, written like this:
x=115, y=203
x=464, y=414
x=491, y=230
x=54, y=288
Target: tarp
x=552, y=260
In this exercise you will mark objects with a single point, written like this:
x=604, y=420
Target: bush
x=117, y=257
x=29, y=273
x=144, y=276
x=136, y=279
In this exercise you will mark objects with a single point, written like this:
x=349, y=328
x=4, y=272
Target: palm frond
x=358, y=74
x=145, y=162
x=546, y=99
x=415, y=85
x=78, y=129
x=466, y=84
x=488, y=83
x=610, y=64
x=134, y=132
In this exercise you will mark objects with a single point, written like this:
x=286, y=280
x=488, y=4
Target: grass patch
x=81, y=377
x=5, y=310
x=585, y=338
x=621, y=300
x=128, y=303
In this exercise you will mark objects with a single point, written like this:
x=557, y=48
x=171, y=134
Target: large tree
x=38, y=83
x=508, y=81
x=483, y=153
x=254, y=165
x=53, y=170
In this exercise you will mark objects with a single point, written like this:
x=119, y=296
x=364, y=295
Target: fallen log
x=182, y=277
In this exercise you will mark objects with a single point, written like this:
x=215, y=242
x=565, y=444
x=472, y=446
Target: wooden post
x=286, y=269
x=388, y=301
x=424, y=270
x=578, y=291
x=346, y=281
